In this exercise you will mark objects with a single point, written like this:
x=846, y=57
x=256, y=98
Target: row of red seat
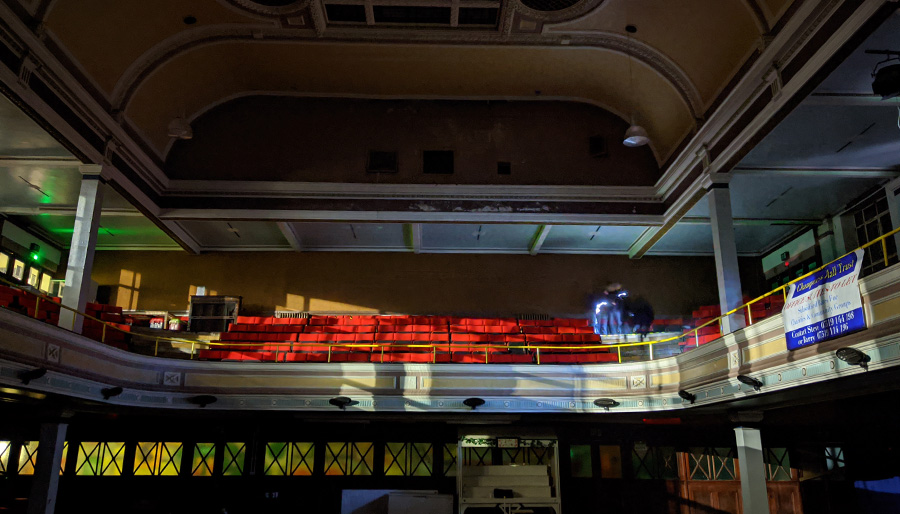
x=362, y=329
x=408, y=320
x=467, y=357
x=759, y=311
x=48, y=311
x=406, y=336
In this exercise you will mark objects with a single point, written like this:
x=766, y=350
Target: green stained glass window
x=28, y=457
x=234, y=459
x=450, y=450
x=580, y=458
x=475, y=456
x=290, y=459
x=408, y=459
x=654, y=462
x=348, y=459
x=100, y=459
x=778, y=464
x=157, y=459
x=204, y=457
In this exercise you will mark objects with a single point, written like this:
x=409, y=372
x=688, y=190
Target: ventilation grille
x=291, y=314
x=536, y=317
x=437, y=161
x=597, y=147
x=382, y=162
x=440, y=13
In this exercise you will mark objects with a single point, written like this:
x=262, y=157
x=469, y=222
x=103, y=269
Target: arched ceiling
x=146, y=61
x=197, y=79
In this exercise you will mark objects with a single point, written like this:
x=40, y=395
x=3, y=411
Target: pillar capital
x=89, y=171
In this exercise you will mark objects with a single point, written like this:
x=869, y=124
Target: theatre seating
x=759, y=311
x=48, y=311
x=409, y=339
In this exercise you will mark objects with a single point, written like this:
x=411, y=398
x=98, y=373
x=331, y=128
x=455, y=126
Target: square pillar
x=890, y=190
x=728, y=274
x=81, y=251
x=754, y=495
x=45, y=481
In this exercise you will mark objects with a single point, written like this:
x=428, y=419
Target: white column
x=45, y=482
x=81, y=251
x=727, y=273
x=753, y=471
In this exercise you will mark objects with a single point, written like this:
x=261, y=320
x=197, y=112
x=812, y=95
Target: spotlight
x=473, y=402
x=635, y=136
x=34, y=252
x=606, y=403
x=342, y=402
x=886, y=75
x=686, y=396
x=32, y=374
x=853, y=357
x=109, y=392
x=750, y=381
x=202, y=400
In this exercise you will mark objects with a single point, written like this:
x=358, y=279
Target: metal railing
x=449, y=346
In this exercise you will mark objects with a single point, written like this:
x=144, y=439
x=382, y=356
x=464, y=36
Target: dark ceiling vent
x=597, y=147
x=382, y=162
x=411, y=15
x=437, y=161
x=549, y=5
x=339, y=13
x=478, y=16
x=504, y=168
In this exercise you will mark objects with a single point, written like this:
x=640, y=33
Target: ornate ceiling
x=155, y=61
x=288, y=100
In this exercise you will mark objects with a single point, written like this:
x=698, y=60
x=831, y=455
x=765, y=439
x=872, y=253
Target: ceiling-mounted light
x=474, y=403
x=606, y=403
x=179, y=128
x=750, y=381
x=636, y=135
x=853, y=357
x=686, y=396
x=886, y=77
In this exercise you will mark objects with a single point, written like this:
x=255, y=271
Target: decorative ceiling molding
x=257, y=9
x=166, y=50
x=305, y=190
x=759, y=17
x=577, y=10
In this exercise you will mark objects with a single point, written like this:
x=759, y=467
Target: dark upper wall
x=489, y=285
x=328, y=140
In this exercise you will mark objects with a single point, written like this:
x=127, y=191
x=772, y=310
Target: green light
x=34, y=257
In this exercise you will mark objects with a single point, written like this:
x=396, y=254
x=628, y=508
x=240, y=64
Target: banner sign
x=825, y=305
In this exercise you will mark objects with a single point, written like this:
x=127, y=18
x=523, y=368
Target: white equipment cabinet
x=526, y=477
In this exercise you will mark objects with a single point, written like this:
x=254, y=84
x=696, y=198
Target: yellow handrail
x=434, y=346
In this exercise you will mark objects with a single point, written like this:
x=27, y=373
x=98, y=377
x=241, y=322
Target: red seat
x=295, y=357
x=513, y=358
x=468, y=358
